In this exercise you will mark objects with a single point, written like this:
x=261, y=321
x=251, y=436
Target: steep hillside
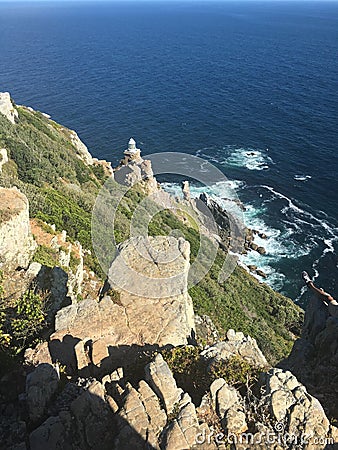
x=61, y=180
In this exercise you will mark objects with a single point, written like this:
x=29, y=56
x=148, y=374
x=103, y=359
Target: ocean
x=249, y=86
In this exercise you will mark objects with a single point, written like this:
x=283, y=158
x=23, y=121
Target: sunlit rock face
x=16, y=241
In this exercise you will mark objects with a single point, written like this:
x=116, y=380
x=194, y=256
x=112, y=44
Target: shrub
x=46, y=256
x=30, y=318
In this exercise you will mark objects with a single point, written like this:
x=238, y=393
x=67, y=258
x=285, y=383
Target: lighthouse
x=132, y=153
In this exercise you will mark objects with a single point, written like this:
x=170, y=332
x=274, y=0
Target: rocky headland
x=120, y=361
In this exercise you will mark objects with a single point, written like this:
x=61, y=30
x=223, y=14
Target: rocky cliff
x=123, y=361
x=314, y=357
x=16, y=241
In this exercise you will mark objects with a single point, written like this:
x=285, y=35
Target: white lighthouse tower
x=132, y=153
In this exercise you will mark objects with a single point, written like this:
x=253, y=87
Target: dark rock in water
x=252, y=267
x=261, y=273
x=261, y=250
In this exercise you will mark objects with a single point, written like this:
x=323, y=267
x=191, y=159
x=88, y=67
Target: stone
x=173, y=437
x=186, y=190
x=205, y=329
x=236, y=345
x=235, y=420
x=7, y=108
x=226, y=397
x=291, y=404
x=81, y=356
x=156, y=414
x=150, y=275
x=188, y=423
x=162, y=381
x=50, y=435
x=139, y=318
x=3, y=158
x=135, y=428
x=93, y=419
x=41, y=385
x=17, y=245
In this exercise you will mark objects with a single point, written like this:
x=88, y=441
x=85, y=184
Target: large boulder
x=236, y=345
x=16, y=241
x=41, y=385
x=162, y=381
x=158, y=312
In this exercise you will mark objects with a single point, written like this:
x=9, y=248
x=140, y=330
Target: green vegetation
x=44, y=165
x=194, y=375
x=46, y=256
x=20, y=324
x=29, y=318
x=245, y=305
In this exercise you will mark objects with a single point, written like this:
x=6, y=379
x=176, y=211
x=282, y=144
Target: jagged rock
x=81, y=356
x=261, y=273
x=314, y=357
x=135, y=170
x=236, y=345
x=161, y=380
x=16, y=241
x=51, y=434
x=39, y=355
x=93, y=419
x=173, y=437
x=186, y=190
x=223, y=396
x=157, y=416
x=291, y=405
x=125, y=322
x=41, y=385
x=80, y=147
x=188, y=423
x=7, y=107
x=3, y=157
x=136, y=429
x=235, y=420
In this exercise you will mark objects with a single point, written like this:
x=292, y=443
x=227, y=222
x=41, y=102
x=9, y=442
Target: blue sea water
x=250, y=86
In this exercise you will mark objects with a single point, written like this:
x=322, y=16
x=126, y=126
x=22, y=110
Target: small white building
x=132, y=153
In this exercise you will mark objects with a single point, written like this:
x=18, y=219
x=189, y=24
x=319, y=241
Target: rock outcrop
x=81, y=149
x=125, y=319
x=16, y=241
x=3, y=157
x=155, y=413
x=7, y=108
x=236, y=345
x=314, y=357
x=134, y=170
